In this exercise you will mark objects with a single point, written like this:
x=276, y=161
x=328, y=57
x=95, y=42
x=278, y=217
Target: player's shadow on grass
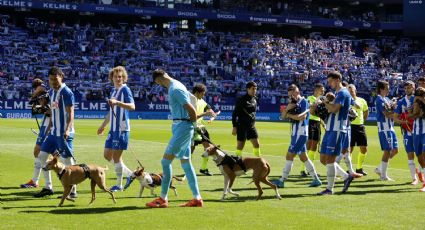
x=265, y=187
x=84, y=211
x=401, y=190
x=8, y=188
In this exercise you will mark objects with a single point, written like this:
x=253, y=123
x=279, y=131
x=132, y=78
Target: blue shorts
x=53, y=143
x=298, y=144
x=346, y=142
x=117, y=140
x=388, y=140
x=408, y=143
x=179, y=144
x=332, y=142
x=419, y=143
x=41, y=136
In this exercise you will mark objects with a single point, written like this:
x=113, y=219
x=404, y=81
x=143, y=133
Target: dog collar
x=61, y=173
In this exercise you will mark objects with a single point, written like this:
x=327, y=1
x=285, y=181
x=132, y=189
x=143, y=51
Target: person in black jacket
x=243, y=120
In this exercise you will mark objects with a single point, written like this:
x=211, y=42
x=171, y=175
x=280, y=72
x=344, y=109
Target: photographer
x=39, y=101
x=298, y=112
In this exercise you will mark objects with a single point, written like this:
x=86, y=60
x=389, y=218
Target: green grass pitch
x=369, y=203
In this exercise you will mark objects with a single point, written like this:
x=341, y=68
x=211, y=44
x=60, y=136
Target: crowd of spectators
x=222, y=61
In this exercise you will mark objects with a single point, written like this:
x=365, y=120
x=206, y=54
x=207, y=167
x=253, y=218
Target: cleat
x=115, y=188
x=205, y=172
x=378, y=171
x=414, y=182
x=420, y=175
x=347, y=183
x=44, y=192
x=422, y=189
x=361, y=171
x=157, y=203
x=303, y=174
x=386, y=179
x=325, y=192
x=315, y=183
x=193, y=203
x=128, y=182
x=278, y=183
x=29, y=184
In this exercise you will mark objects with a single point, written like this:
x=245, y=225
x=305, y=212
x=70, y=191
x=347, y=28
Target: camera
x=40, y=104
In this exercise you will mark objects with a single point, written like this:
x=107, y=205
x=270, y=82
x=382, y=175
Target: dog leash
x=129, y=148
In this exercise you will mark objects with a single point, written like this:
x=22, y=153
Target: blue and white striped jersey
x=60, y=99
x=339, y=121
x=300, y=128
x=384, y=124
x=404, y=104
x=122, y=120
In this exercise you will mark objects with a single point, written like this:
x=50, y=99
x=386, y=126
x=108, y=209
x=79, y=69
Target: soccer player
x=336, y=133
x=62, y=132
x=184, y=119
x=202, y=109
x=243, y=120
x=358, y=132
x=387, y=136
x=121, y=102
x=419, y=130
x=314, y=130
x=39, y=90
x=299, y=135
x=403, y=106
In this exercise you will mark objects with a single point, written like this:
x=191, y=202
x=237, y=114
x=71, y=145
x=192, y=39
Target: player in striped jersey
x=336, y=133
x=121, y=101
x=419, y=129
x=314, y=129
x=386, y=133
x=403, y=106
x=39, y=90
x=299, y=135
x=62, y=132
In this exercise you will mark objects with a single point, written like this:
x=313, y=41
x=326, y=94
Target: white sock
x=349, y=163
x=310, y=169
x=42, y=157
x=286, y=170
x=412, y=168
x=37, y=170
x=340, y=171
x=384, y=166
x=68, y=162
x=339, y=158
x=330, y=174
x=118, y=172
x=112, y=161
x=126, y=170
x=379, y=167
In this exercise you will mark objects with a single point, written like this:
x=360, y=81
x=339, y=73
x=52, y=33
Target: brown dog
x=75, y=174
x=231, y=167
x=151, y=181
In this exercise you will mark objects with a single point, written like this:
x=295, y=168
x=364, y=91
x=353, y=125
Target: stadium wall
x=144, y=110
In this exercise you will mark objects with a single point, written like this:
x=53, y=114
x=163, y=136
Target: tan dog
x=151, y=181
x=230, y=168
x=75, y=174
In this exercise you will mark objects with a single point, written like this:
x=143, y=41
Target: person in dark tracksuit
x=243, y=120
